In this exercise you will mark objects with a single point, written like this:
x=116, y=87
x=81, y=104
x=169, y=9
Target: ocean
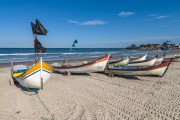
x=27, y=54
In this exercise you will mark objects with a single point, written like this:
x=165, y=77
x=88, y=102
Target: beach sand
x=94, y=96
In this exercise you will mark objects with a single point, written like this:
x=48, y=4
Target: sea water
x=27, y=54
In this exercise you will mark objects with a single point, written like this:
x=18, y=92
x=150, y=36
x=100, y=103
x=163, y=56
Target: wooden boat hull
x=149, y=62
x=35, y=76
x=176, y=58
x=141, y=59
x=119, y=63
x=157, y=70
x=95, y=66
x=159, y=60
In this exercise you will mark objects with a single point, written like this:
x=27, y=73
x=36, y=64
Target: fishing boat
x=176, y=58
x=119, y=63
x=94, y=66
x=148, y=62
x=141, y=58
x=159, y=58
x=35, y=76
x=157, y=70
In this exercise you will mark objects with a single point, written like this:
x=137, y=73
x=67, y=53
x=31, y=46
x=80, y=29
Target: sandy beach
x=89, y=60
x=94, y=96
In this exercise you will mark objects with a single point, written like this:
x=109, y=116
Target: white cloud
x=157, y=16
x=125, y=14
x=162, y=17
x=73, y=21
x=91, y=22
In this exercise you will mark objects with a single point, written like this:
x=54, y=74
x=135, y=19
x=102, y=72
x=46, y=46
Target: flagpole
x=35, y=53
x=34, y=49
x=38, y=29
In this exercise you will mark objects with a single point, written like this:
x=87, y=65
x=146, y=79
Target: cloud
x=125, y=14
x=91, y=22
x=73, y=21
x=157, y=16
x=162, y=17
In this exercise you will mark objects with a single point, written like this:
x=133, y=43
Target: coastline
x=30, y=63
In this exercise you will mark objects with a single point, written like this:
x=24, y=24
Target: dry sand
x=94, y=96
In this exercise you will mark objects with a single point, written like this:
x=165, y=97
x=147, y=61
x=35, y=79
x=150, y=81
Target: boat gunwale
x=164, y=64
x=117, y=61
x=104, y=58
x=34, y=71
x=147, y=60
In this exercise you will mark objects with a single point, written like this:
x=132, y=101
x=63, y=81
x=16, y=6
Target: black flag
x=38, y=28
x=38, y=47
x=33, y=28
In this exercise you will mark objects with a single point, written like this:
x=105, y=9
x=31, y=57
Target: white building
x=177, y=46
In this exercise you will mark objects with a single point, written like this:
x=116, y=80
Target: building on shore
x=177, y=46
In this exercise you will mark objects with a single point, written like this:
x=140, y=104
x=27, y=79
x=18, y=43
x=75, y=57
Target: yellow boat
x=38, y=74
x=33, y=77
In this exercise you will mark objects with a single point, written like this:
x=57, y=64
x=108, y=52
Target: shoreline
x=73, y=61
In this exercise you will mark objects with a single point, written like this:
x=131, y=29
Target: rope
x=36, y=93
x=52, y=116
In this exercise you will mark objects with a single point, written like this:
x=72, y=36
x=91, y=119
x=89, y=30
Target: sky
x=94, y=23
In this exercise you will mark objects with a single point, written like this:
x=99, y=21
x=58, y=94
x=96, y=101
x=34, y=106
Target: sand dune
x=94, y=96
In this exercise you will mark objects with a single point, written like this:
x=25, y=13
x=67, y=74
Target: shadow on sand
x=129, y=77
x=25, y=90
x=75, y=74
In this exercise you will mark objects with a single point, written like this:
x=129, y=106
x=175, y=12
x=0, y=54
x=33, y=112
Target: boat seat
x=56, y=64
x=17, y=74
x=19, y=68
x=148, y=57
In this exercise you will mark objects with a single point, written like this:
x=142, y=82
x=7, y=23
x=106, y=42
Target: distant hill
x=167, y=45
x=145, y=47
